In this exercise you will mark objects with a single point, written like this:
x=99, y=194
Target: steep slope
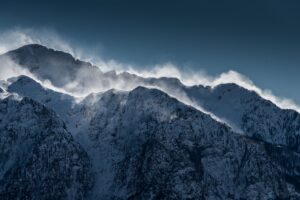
x=146, y=145
x=253, y=115
x=142, y=141
x=25, y=86
x=243, y=110
x=39, y=158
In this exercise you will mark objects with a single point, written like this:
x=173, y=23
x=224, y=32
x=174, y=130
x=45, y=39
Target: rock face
x=150, y=146
x=39, y=158
x=59, y=102
x=142, y=143
x=257, y=118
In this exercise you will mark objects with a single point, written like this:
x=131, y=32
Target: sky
x=259, y=38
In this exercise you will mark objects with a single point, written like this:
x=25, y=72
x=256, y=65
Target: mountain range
x=130, y=137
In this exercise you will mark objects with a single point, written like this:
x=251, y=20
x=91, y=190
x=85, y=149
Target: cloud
x=17, y=37
x=9, y=69
x=235, y=77
x=14, y=38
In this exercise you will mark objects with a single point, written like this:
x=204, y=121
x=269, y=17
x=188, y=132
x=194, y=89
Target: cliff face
x=155, y=147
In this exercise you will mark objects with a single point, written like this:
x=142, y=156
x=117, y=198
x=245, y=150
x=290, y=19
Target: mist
x=113, y=74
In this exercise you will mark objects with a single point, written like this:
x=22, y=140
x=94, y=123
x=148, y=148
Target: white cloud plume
x=201, y=78
x=17, y=37
x=9, y=69
x=12, y=39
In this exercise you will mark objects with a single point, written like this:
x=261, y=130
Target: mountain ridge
x=147, y=143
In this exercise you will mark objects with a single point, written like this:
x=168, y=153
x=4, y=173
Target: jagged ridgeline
x=140, y=143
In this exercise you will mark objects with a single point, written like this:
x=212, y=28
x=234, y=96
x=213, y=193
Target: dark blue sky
x=260, y=39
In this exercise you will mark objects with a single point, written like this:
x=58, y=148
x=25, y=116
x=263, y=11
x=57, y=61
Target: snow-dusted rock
x=254, y=116
x=146, y=145
x=27, y=87
x=39, y=157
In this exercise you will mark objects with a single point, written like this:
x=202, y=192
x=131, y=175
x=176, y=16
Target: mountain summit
x=48, y=64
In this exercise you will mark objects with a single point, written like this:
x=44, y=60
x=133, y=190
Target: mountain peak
x=33, y=46
x=22, y=79
x=38, y=50
x=59, y=67
x=146, y=92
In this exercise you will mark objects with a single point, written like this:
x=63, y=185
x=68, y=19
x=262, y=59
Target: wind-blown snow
x=141, y=143
x=14, y=38
x=201, y=78
x=143, y=135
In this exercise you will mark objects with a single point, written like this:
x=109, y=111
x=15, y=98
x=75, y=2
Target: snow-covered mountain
x=25, y=86
x=151, y=130
x=39, y=157
x=253, y=115
x=145, y=143
x=163, y=149
x=47, y=64
x=241, y=109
